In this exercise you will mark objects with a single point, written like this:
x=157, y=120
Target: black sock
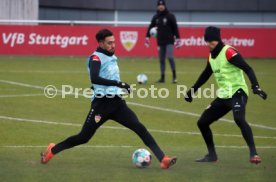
x=208, y=138
x=248, y=137
x=174, y=74
x=151, y=143
x=162, y=76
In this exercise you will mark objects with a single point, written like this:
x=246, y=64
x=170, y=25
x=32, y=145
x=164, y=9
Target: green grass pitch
x=29, y=121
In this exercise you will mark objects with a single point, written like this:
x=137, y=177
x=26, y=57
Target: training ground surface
x=29, y=121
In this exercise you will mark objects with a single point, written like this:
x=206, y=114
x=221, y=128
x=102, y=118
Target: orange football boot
x=47, y=155
x=255, y=159
x=167, y=162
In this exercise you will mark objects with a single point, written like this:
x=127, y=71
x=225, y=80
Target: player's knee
x=201, y=124
x=240, y=122
x=239, y=119
x=82, y=139
x=140, y=129
x=143, y=129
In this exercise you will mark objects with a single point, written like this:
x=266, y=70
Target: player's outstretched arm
x=204, y=76
x=238, y=61
x=152, y=24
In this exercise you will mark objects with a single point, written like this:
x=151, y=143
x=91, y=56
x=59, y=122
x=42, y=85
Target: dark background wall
x=142, y=10
x=184, y=5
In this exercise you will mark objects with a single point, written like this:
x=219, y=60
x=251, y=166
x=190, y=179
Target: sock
x=174, y=74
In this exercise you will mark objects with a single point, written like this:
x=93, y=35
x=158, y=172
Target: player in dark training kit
x=167, y=35
x=107, y=103
x=227, y=65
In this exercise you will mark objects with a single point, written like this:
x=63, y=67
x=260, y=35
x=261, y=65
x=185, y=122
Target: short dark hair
x=102, y=34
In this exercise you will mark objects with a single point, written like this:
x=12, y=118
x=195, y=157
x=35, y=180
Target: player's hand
x=178, y=43
x=126, y=87
x=256, y=90
x=188, y=96
x=147, y=41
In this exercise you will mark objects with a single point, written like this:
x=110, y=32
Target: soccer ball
x=153, y=32
x=142, y=78
x=141, y=158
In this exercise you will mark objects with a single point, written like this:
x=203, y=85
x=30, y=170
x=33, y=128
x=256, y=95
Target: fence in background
x=76, y=38
x=137, y=23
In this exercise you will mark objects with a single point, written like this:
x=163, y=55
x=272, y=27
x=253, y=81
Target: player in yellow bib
x=228, y=66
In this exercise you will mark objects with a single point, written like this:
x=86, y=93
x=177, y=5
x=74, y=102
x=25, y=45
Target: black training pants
x=220, y=107
x=103, y=109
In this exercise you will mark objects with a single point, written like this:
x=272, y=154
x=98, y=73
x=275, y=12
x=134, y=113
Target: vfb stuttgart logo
x=129, y=39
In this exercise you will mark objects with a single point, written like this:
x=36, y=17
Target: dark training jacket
x=166, y=27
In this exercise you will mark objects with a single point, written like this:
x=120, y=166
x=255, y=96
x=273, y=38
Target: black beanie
x=161, y=2
x=212, y=34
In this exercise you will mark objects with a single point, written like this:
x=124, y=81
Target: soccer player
x=227, y=65
x=107, y=103
x=168, y=33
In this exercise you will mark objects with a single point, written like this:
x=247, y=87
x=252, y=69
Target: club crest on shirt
x=97, y=118
x=128, y=39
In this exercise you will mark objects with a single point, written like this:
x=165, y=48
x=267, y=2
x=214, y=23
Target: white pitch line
x=123, y=128
x=21, y=95
x=145, y=106
x=128, y=146
x=22, y=84
x=85, y=72
x=39, y=121
x=245, y=147
x=195, y=114
x=83, y=146
x=44, y=72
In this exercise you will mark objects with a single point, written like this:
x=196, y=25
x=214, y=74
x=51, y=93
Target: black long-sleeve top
x=235, y=59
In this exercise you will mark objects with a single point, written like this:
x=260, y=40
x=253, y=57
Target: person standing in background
x=167, y=36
